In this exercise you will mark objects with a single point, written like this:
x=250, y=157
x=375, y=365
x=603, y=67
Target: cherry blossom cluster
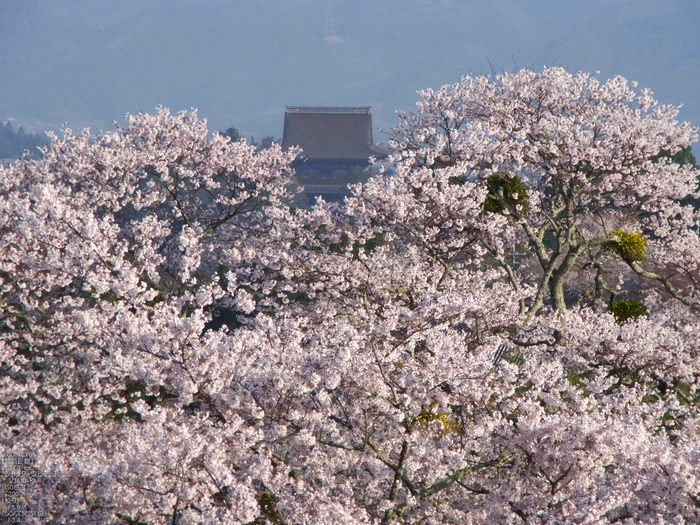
x=180, y=344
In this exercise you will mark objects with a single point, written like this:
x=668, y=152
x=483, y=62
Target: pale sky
x=240, y=62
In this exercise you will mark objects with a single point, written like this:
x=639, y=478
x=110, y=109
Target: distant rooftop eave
x=326, y=133
x=362, y=110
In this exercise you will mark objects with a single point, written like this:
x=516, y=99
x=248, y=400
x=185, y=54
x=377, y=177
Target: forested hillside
x=13, y=144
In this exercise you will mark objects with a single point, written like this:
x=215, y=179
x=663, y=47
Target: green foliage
x=110, y=297
x=627, y=309
x=267, y=142
x=157, y=299
x=682, y=156
x=130, y=256
x=577, y=379
x=321, y=234
x=426, y=417
x=685, y=156
x=369, y=246
x=131, y=520
x=673, y=421
x=267, y=502
x=506, y=193
x=683, y=392
x=524, y=388
x=550, y=241
x=650, y=399
x=134, y=391
x=233, y=134
x=630, y=246
x=297, y=297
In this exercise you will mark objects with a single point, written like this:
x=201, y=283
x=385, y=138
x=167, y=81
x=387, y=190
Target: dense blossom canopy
x=504, y=330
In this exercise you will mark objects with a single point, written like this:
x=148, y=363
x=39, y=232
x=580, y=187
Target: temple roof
x=331, y=132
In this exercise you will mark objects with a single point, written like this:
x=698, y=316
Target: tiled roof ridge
x=362, y=110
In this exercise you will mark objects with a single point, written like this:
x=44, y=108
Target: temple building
x=337, y=144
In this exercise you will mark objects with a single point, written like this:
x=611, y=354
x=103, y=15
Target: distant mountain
x=13, y=144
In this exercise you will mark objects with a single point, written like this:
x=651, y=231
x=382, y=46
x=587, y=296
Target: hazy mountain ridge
x=14, y=143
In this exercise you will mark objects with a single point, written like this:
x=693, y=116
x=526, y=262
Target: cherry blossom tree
x=503, y=331
x=112, y=248
x=578, y=168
